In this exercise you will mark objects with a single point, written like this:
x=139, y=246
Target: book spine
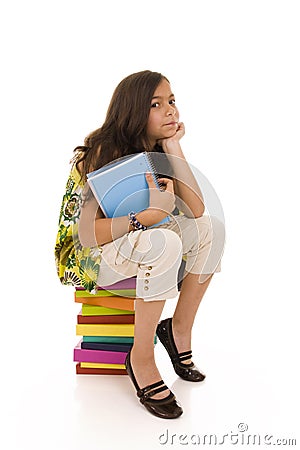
x=152, y=168
x=154, y=171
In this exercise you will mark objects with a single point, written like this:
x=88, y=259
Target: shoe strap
x=175, y=356
x=151, y=390
x=185, y=355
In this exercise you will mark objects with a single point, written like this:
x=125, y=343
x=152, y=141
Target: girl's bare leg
x=147, y=315
x=191, y=294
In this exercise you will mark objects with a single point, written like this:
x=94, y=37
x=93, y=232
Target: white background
x=234, y=68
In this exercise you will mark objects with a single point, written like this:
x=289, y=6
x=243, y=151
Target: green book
x=93, y=310
x=112, y=339
x=108, y=339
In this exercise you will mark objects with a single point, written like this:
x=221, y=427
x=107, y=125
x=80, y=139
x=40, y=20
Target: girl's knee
x=168, y=241
x=210, y=228
x=163, y=244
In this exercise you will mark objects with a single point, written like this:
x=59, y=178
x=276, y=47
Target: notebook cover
x=129, y=318
x=94, y=310
x=106, y=329
x=109, y=339
x=98, y=356
x=109, y=302
x=121, y=187
x=97, y=371
x=107, y=347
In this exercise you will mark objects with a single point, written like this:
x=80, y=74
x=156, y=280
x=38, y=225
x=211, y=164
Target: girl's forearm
x=187, y=189
x=94, y=231
x=108, y=230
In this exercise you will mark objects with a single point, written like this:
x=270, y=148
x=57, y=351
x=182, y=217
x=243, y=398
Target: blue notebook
x=121, y=187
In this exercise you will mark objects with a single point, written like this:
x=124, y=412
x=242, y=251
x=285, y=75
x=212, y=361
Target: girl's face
x=164, y=115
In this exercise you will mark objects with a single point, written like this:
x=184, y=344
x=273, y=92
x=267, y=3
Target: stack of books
x=106, y=326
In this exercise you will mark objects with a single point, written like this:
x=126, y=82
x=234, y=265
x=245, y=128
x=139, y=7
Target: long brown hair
x=124, y=130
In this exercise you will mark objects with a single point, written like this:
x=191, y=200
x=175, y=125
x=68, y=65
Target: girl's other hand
x=162, y=200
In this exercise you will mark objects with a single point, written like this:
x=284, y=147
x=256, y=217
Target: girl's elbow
x=200, y=211
x=195, y=212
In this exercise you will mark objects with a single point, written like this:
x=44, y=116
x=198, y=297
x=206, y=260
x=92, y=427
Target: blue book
x=106, y=346
x=121, y=186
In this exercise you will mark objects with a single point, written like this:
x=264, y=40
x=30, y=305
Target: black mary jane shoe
x=165, y=408
x=188, y=372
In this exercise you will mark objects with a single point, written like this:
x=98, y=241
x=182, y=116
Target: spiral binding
x=152, y=168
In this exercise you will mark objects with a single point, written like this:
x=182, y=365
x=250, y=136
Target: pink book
x=98, y=356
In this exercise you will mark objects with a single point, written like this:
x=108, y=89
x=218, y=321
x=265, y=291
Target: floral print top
x=76, y=265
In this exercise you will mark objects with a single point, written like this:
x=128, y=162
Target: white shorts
x=155, y=255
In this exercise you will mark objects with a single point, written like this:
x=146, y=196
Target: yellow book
x=102, y=365
x=106, y=329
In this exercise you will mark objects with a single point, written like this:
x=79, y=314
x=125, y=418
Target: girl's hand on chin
x=173, y=139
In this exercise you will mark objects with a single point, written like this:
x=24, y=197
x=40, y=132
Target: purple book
x=98, y=356
x=127, y=283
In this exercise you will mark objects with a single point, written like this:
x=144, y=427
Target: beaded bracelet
x=135, y=223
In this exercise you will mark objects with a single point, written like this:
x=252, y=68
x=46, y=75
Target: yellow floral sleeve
x=76, y=265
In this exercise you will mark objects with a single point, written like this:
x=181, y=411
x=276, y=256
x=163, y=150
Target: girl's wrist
x=172, y=147
x=135, y=223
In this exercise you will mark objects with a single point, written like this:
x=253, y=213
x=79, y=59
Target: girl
x=94, y=250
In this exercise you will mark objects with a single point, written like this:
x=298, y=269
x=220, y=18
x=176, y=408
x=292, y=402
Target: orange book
x=110, y=302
